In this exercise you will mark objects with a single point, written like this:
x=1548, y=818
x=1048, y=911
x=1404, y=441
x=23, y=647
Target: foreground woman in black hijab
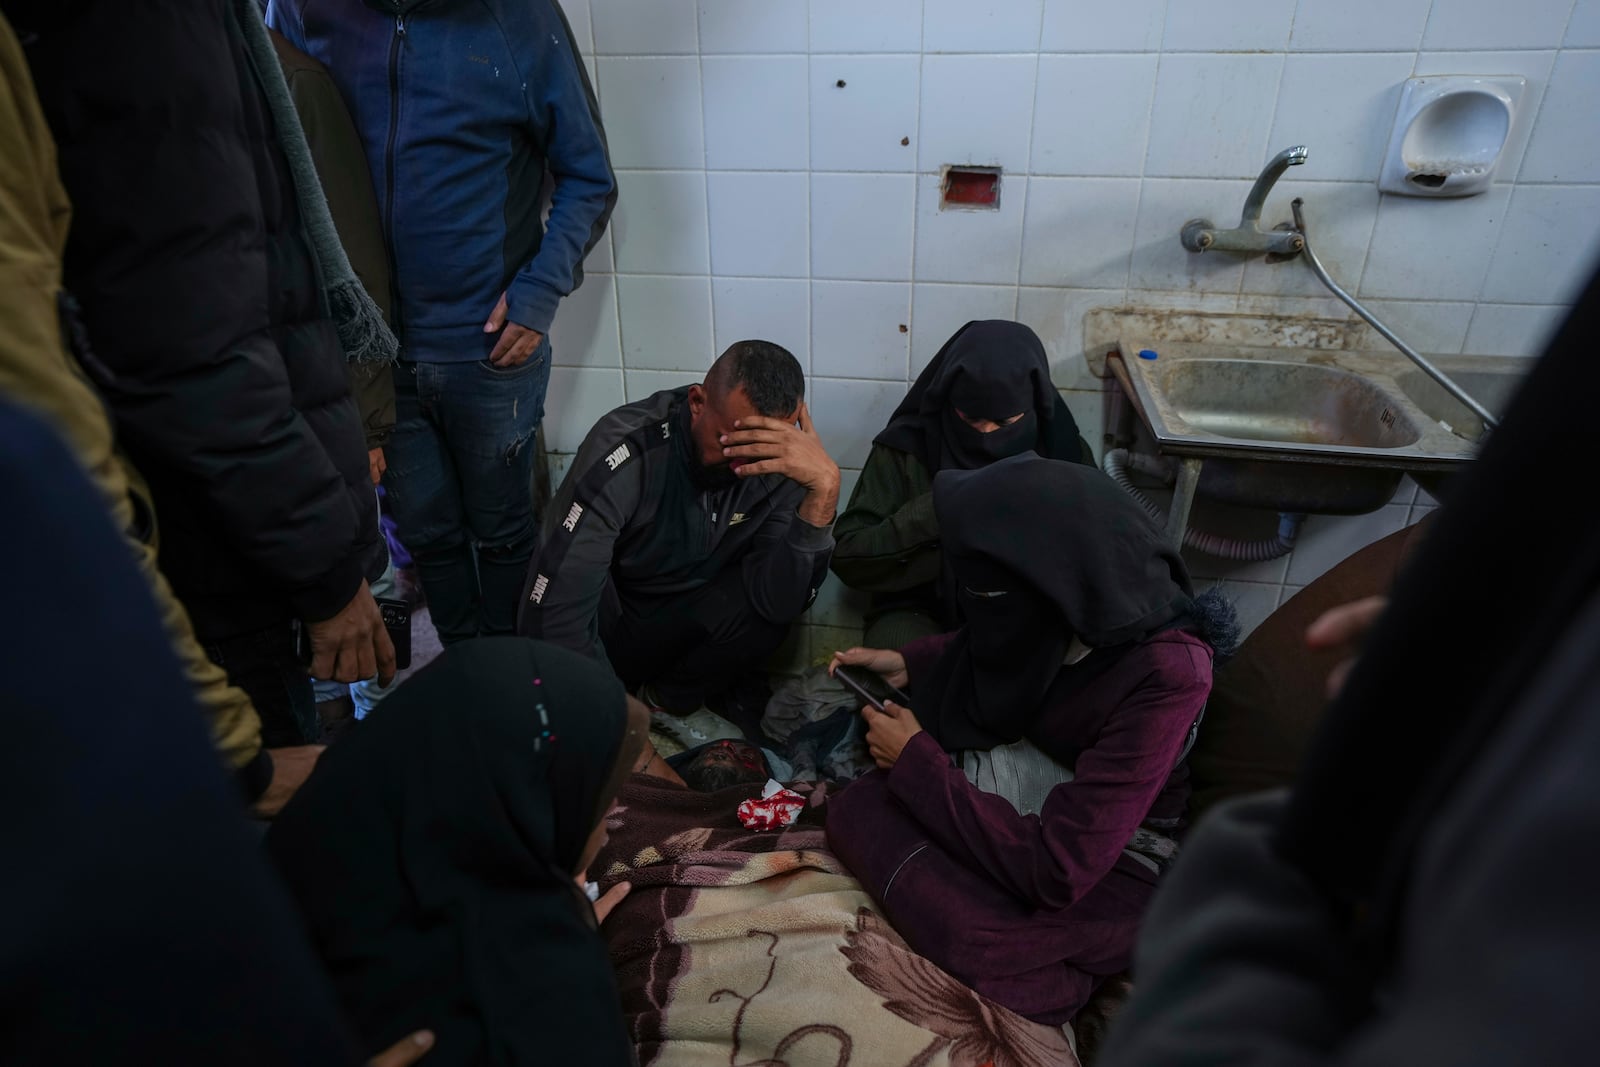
x=434, y=854
x=986, y=395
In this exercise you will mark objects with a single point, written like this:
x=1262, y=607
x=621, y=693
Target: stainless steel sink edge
x=1436, y=448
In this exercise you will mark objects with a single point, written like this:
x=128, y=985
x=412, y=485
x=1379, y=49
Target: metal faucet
x=1200, y=235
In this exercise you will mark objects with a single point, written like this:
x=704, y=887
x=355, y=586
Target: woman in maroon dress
x=1026, y=802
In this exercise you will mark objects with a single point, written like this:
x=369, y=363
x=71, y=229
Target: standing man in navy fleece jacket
x=463, y=106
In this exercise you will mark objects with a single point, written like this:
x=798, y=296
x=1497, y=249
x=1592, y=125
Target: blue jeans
x=460, y=479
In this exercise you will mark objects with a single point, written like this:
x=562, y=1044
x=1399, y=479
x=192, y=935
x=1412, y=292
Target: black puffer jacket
x=202, y=302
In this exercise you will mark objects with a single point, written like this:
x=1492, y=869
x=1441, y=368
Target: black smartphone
x=396, y=619
x=870, y=686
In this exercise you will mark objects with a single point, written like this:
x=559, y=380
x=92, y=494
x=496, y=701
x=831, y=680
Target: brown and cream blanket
x=759, y=950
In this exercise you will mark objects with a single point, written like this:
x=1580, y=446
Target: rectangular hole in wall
x=970, y=189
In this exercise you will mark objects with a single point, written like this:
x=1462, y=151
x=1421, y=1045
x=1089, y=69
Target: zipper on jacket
x=388, y=165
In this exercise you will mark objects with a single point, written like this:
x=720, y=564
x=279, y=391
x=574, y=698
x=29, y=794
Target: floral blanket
x=759, y=950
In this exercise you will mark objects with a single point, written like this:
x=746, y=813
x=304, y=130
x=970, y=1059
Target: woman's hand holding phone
x=884, y=662
x=888, y=731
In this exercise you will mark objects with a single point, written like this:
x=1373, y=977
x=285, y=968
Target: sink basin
x=1319, y=430
x=1296, y=403
x=1491, y=388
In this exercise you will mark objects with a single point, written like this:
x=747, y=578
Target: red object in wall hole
x=971, y=188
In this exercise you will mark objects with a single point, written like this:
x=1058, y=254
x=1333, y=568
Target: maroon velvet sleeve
x=922, y=654
x=1052, y=859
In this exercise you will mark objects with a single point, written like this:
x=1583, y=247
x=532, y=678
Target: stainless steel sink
x=1491, y=388
x=1303, y=430
x=1293, y=403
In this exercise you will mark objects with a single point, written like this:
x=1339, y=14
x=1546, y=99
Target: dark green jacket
x=342, y=169
x=888, y=538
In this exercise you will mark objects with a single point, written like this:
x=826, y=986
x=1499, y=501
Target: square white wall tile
x=981, y=26
x=1359, y=25
x=600, y=260
x=579, y=397
x=758, y=224
x=1564, y=146
x=753, y=26
x=1513, y=329
x=659, y=224
x=660, y=27
x=1252, y=602
x=652, y=112
x=859, y=126
x=1091, y=114
x=666, y=322
x=938, y=311
x=1326, y=540
x=1583, y=31
x=848, y=415
x=1227, y=26
x=1159, y=261
x=1428, y=326
x=1341, y=108
x=1534, y=66
x=855, y=329
x=1212, y=114
x=1056, y=315
x=861, y=226
x=644, y=383
x=1339, y=216
x=1433, y=249
x=585, y=332
x=756, y=112
x=976, y=110
x=1471, y=24
x=763, y=309
x=577, y=12
x=1095, y=26
x=1547, y=245
x=1191, y=299
x=1289, y=591
x=852, y=26
x=1078, y=231
x=1088, y=411
x=969, y=246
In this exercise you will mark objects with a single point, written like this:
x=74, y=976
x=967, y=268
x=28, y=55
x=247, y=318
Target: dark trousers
x=460, y=480
x=264, y=665
x=688, y=646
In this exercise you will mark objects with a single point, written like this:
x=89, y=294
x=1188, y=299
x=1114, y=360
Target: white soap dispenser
x=1449, y=133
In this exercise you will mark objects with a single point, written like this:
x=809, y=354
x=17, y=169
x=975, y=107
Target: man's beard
x=720, y=476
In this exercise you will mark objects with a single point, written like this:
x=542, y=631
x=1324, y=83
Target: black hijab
x=432, y=855
x=1041, y=552
x=990, y=369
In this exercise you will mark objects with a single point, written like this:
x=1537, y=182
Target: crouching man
x=693, y=529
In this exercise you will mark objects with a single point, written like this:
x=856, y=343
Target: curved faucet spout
x=1289, y=157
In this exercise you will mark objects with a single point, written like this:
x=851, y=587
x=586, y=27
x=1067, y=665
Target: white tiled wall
x=779, y=166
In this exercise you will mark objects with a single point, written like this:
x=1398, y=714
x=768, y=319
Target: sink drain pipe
x=1117, y=462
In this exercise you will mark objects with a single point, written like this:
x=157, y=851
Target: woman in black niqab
x=992, y=371
x=434, y=851
x=985, y=396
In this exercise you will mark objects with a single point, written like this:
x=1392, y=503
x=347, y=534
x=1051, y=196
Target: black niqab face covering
x=1039, y=552
x=432, y=856
x=967, y=448
x=991, y=370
